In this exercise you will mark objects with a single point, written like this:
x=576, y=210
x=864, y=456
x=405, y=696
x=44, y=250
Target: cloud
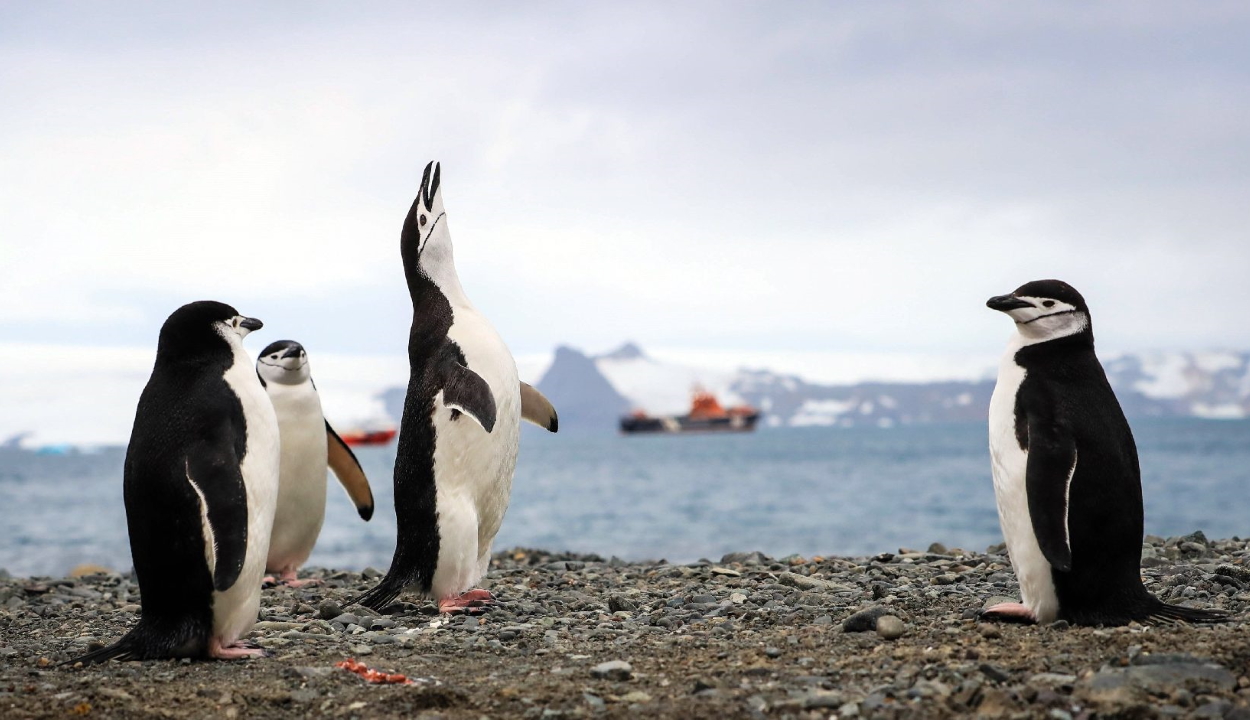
x=734, y=177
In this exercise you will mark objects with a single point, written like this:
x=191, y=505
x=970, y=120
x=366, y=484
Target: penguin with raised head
x=1066, y=475
x=200, y=483
x=460, y=429
x=309, y=444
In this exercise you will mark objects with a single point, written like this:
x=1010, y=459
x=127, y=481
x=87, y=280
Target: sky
x=797, y=181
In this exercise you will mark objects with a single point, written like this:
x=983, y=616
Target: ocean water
x=807, y=491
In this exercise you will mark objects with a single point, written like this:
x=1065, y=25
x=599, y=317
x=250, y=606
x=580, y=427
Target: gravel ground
x=893, y=635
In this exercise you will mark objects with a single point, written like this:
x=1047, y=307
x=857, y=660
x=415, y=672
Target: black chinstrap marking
x=1054, y=314
x=430, y=233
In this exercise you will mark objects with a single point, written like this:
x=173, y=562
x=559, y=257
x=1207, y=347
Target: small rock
x=370, y=573
x=613, y=670
x=726, y=572
x=993, y=672
x=804, y=582
x=88, y=569
x=890, y=627
x=937, y=548
x=619, y=603
x=635, y=696
x=346, y=619
x=329, y=610
x=864, y=620
x=823, y=699
x=745, y=558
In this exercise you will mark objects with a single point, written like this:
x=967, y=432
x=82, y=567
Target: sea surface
x=808, y=491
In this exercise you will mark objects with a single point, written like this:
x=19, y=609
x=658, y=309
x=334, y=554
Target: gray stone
x=823, y=699
x=370, y=573
x=745, y=558
x=621, y=603
x=1135, y=684
x=890, y=627
x=864, y=620
x=346, y=619
x=804, y=582
x=993, y=672
x=613, y=670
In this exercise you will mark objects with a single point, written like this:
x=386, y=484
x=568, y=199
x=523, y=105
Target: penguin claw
x=1009, y=613
x=235, y=651
x=473, y=602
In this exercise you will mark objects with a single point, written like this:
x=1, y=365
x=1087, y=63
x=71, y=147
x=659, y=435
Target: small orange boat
x=706, y=415
x=368, y=437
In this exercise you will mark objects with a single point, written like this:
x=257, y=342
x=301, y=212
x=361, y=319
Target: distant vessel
x=706, y=415
x=368, y=437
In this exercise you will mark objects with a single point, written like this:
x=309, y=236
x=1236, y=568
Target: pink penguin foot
x=471, y=602
x=289, y=579
x=234, y=651
x=1009, y=612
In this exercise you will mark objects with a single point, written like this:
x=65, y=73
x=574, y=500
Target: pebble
x=749, y=633
x=613, y=670
x=890, y=627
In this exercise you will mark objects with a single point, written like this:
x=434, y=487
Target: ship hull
x=687, y=424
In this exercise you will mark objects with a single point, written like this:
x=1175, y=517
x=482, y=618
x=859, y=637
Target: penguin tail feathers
x=1165, y=614
x=123, y=649
x=382, y=595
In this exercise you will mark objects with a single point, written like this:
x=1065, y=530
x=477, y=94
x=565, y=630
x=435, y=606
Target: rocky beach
x=577, y=636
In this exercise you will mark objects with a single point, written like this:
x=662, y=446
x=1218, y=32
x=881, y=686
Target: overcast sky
x=711, y=176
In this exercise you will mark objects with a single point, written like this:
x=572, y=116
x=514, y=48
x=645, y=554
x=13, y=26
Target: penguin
x=308, y=445
x=460, y=429
x=1066, y=474
x=200, y=482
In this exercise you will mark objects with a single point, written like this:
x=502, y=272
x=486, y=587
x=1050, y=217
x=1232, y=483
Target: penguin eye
x=422, y=220
x=274, y=356
x=1048, y=303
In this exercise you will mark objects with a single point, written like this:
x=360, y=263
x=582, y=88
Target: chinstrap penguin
x=308, y=445
x=461, y=425
x=200, y=483
x=1066, y=474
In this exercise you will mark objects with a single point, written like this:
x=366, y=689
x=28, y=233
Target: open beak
x=1005, y=303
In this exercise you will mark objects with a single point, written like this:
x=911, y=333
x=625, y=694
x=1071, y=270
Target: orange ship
x=706, y=415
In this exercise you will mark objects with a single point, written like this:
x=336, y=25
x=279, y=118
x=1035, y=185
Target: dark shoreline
x=746, y=636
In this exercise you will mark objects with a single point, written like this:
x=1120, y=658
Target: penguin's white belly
x=235, y=610
x=472, y=468
x=1009, y=464
x=302, y=486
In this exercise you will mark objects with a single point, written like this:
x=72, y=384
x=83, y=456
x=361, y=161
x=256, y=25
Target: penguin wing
x=536, y=408
x=1047, y=480
x=347, y=469
x=215, y=476
x=466, y=391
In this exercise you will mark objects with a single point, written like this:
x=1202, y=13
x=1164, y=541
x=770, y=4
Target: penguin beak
x=291, y=352
x=250, y=324
x=1006, y=303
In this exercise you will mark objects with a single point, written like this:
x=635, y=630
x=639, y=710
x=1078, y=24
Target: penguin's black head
x=425, y=227
x=1044, y=309
x=284, y=362
x=203, y=328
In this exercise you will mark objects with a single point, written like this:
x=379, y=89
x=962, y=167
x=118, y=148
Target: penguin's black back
x=1065, y=383
x=187, y=415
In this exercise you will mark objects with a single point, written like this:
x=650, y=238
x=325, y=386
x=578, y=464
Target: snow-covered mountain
x=590, y=391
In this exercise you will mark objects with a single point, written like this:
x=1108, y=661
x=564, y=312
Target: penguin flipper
x=536, y=408
x=214, y=475
x=466, y=391
x=1048, y=477
x=347, y=469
